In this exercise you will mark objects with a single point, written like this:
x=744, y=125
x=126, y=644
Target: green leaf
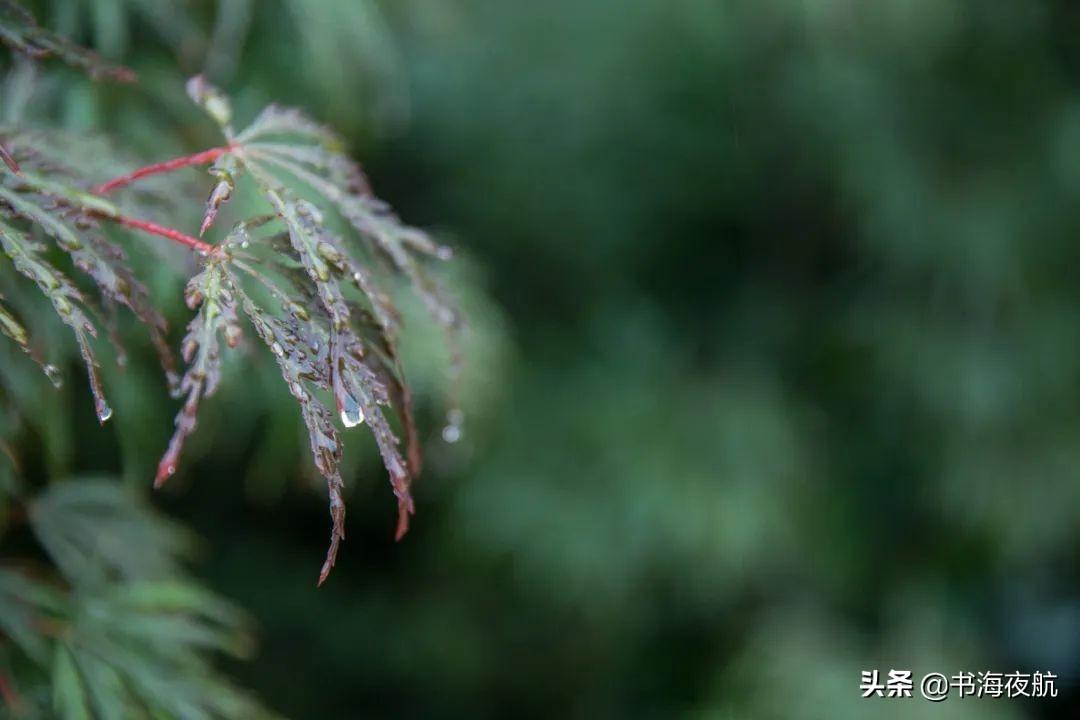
x=152, y=638
x=65, y=298
x=209, y=293
x=69, y=695
x=96, y=531
x=20, y=31
x=11, y=327
x=23, y=604
x=68, y=214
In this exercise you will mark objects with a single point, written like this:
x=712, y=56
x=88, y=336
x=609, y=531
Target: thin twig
x=201, y=158
x=8, y=160
x=162, y=231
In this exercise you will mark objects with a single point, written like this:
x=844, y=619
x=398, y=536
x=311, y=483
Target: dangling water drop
x=104, y=412
x=446, y=316
x=351, y=413
x=53, y=373
x=452, y=432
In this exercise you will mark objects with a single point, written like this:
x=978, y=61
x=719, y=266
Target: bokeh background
x=773, y=358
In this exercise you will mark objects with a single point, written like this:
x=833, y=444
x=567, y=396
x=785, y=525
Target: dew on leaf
x=351, y=413
x=55, y=377
x=452, y=432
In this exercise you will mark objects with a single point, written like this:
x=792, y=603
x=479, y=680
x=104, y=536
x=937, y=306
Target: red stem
x=201, y=158
x=8, y=160
x=165, y=232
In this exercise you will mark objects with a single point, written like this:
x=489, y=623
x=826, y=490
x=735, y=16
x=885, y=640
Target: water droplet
x=445, y=252
x=454, y=420
x=351, y=413
x=233, y=335
x=53, y=373
x=104, y=412
x=446, y=316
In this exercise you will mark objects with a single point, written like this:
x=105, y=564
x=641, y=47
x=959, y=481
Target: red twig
x=202, y=158
x=165, y=232
x=8, y=160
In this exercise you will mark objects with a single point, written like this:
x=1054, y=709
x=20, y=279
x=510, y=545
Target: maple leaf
x=43, y=199
x=312, y=295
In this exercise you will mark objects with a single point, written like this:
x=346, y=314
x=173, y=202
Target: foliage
x=321, y=338
x=44, y=195
x=319, y=334
x=20, y=32
x=119, y=631
x=792, y=388
x=99, y=619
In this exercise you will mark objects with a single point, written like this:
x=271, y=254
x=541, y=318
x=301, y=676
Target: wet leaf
x=69, y=696
x=21, y=32
x=26, y=255
x=66, y=214
x=216, y=320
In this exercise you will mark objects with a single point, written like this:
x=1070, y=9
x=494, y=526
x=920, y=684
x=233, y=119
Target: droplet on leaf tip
x=351, y=412
x=53, y=373
x=352, y=419
x=455, y=418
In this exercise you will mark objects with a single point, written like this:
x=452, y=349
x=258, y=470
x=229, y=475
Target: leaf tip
x=405, y=509
x=166, y=469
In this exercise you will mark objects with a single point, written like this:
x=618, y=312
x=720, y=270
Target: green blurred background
x=774, y=354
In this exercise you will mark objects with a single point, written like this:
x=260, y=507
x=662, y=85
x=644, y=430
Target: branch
x=162, y=231
x=202, y=158
x=8, y=160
